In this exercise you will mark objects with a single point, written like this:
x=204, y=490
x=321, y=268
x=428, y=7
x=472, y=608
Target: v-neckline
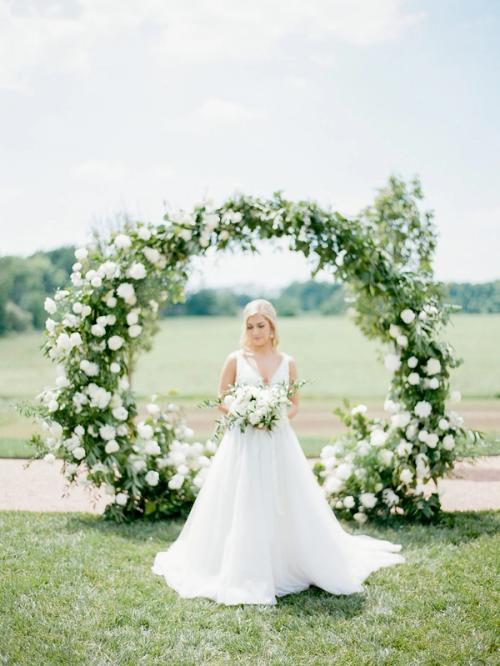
x=256, y=369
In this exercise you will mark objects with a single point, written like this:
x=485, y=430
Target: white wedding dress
x=261, y=526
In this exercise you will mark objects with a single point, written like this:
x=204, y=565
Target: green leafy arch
x=100, y=324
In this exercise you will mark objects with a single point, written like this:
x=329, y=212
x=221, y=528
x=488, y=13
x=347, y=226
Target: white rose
x=385, y=457
x=132, y=317
x=392, y=362
x=152, y=448
x=406, y=475
x=79, y=452
x=443, y=424
x=378, y=437
x=433, y=383
x=152, y=477
x=423, y=409
x=360, y=518
x=368, y=500
x=407, y=316
x=97, y=330
x=111, y=302
x=432, y=440
x=127, y=292
x=112, y=446
x=115, y=368
x=77, y=308
x=81, y=253
x=137, y=271
x=50, y=305
x=401, y=420
x=96, y=281
x=412, y=362
x=107, y=432
x=115, y=342
x=75, y=340
x=144, y=233
x=448, y=442
x=402, y=340
x=120, y=413
x=343, y=471
x=414, y=378
x=423, y=436
x=333, y=485
x=433, y=366
x=122, y=241
x=144, y=430
x=411, y=431
x=134, y=331
x=394, y=331
x=349, y=502
x=176, y=482
x=121, y=499
x=90, y=369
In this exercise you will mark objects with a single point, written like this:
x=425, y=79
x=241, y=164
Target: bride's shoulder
x=233, y=356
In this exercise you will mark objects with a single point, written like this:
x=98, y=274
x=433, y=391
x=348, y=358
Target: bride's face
x=258, y=330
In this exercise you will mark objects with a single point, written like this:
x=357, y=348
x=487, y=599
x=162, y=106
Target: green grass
x=77, y=590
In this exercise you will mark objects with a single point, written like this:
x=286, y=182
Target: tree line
x=26, y=281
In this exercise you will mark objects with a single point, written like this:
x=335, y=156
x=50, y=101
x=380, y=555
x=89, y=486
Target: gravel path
x=40, y=486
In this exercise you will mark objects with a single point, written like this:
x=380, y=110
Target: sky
x=142, y=107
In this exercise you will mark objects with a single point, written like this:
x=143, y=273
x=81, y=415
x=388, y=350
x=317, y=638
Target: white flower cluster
x=256, y=406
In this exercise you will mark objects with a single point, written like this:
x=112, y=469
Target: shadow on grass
x=451, y=528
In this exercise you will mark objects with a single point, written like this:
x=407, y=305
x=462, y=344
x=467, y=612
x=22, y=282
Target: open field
x=331, y=354
x=77, y=590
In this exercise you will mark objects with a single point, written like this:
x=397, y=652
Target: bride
x=261, y=526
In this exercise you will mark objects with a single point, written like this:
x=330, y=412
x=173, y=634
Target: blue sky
x=116, y=105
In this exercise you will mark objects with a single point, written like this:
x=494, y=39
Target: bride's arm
x=295, y=398
x=227, y=377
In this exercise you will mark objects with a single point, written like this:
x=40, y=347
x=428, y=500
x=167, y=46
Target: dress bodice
x=247, y=373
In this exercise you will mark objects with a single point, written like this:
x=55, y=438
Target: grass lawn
x=77, y=590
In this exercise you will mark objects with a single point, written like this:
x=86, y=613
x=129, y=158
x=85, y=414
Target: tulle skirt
x=261, y=528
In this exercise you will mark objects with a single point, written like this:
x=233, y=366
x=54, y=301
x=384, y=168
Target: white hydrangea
x=423, y=409
x=433, y=366
x=407, y=315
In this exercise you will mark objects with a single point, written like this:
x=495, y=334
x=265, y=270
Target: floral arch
x=99, y=324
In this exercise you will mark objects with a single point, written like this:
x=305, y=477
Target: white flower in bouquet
x=89, y=368
x=115, y=342
x=359, y=409
x=333, y=485
x=414, y=378
x=448, y=442
x=392, y=362
x=385, y=457
x=50, y=458
x=423, y=409
x=343, y=471
x=455, y=396
x=79, y=452
x=112, y=446
x=107, y=432
x=153, y=409
x=432, y=383
x=389, y=497
x=115, y=368
x=455, y=419
x=368, y=500
x=407, y=316
x=360, y=517
x=402, y=340
x=152, y=477
x=120, y=413
x=411, y=431
x=423, y=435
x=401, y=420
x=406, y=475
x=391, y=406
x=433, y=366
x=363, y=447
x=121, y=499
x=412, y=362
x=349, y=502
x=49, y=305
x=176, y=481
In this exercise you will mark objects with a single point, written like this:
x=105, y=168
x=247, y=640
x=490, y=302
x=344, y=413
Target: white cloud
x=72, y=36
x=216, y=112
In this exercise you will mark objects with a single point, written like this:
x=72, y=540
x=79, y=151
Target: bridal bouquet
x=258, y=406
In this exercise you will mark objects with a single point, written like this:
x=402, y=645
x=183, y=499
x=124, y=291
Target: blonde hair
x=264, y=308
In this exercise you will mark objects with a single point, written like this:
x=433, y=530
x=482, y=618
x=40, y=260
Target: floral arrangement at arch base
x=107, y=316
